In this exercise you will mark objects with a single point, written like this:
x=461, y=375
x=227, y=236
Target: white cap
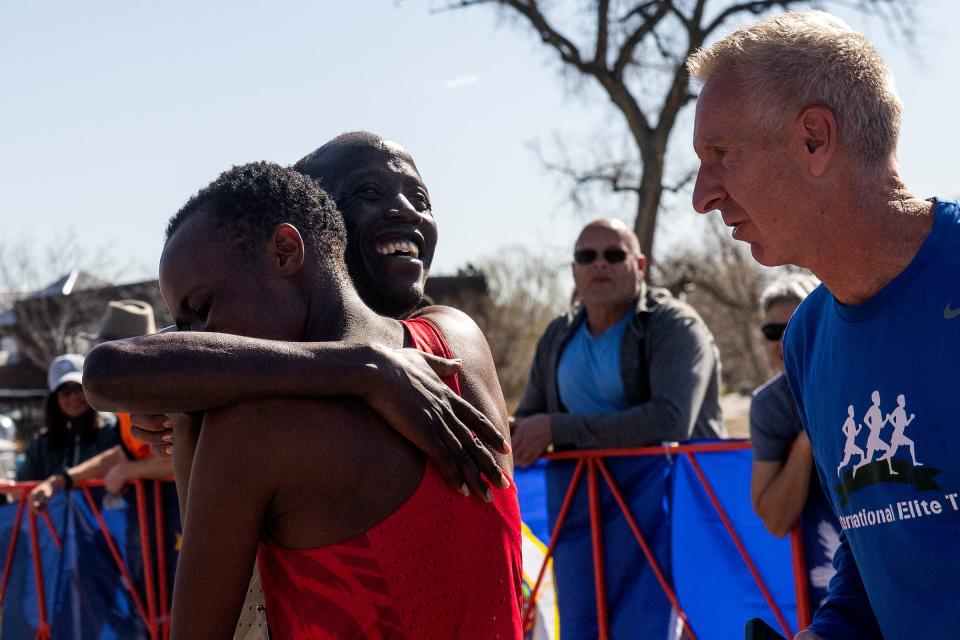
x=65, y=368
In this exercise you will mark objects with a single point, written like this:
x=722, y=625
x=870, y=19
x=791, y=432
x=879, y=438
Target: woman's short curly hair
x=251, y=200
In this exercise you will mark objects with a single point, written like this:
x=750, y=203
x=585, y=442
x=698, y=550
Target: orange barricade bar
x=590, y=462
x=593, y=460
x=157, y=625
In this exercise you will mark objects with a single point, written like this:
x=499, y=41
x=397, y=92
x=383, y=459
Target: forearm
x=645, y=424
x=187, y=371
x=234, y=483
x=781, y=500
x=152, y=468
x=97, y=466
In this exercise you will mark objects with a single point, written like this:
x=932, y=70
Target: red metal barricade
x=157, y=624
x=592, y=462
x=153, y=606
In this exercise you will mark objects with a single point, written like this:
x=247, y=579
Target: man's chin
x=765, y=257
x=392, y=298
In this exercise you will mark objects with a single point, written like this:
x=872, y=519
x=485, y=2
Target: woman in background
x=74, y=431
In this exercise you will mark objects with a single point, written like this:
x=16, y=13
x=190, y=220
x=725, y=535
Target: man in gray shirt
x=629, y=367
x=638, y=366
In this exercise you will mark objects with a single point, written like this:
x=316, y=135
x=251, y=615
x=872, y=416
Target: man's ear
x=286, y=249
x=642, y=264
x=817, y=129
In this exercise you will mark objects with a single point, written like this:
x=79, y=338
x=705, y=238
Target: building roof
x=22, y=378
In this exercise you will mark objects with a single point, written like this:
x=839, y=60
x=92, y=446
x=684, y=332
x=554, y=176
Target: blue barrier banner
x=712, y=582
x=636, y=604
x=85, y=595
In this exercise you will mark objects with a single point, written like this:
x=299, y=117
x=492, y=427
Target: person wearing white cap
x=74, y=431
x=129, y=459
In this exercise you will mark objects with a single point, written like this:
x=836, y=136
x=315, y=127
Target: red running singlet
x=441, y=566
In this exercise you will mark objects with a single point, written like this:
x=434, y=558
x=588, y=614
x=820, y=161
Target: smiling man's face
x=391, y=231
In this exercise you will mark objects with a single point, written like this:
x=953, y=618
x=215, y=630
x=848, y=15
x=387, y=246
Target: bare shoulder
x=479, y=384
x=462, y=334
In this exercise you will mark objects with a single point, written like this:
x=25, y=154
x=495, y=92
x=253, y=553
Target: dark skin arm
x=479, y=384
x=187, y=427
x=148, y=375
x=220, y=543
x=111, y=465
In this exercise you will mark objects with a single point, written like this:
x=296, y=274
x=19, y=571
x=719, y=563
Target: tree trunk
x=648, y=199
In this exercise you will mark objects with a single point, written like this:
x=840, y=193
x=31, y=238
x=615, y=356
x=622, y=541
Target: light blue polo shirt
x=588, y=375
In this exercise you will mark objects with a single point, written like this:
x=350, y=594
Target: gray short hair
x=810, y=58
x=792, y=287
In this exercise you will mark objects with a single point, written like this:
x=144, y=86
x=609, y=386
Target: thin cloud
x=462, y=81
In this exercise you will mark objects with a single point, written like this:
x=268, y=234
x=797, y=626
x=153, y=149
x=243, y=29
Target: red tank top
x=440, y=566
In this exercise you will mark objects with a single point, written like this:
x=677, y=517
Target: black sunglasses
x=773, y=332
x=587, y=256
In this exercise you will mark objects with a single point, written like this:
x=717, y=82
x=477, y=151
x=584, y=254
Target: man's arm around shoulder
x=479, y=384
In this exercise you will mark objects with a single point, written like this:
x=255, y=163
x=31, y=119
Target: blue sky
x=114, y=113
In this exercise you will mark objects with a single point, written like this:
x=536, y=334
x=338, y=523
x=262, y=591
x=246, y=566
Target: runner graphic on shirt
x=875, y=421
x=898, y=470
x=900, y=421
x=850, y=429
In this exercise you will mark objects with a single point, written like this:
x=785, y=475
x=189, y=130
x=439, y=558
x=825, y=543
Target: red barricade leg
x=111, y=545
x=145, y=549
x=45, y=514
x=160, y=534
x=596, y=537
x=561, y=518
x=43, y=627
x=647, y=552
x=732, y=532
x=14, y=535
x=800, y=584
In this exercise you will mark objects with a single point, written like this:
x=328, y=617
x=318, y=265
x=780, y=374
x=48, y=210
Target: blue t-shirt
x=588, y=374
x=875, y=385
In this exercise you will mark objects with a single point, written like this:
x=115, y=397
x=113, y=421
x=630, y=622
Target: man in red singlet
x=358, y=535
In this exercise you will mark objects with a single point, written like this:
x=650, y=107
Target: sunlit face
x=748, y=175
x=71, y=401
x=602, y=283
x=211, y=284
x=391, y=231
x=779, y=313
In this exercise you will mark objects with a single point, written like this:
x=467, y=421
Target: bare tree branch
x=603, y=32
x=636, y=37
x=756, y=8
x=682, y=183
x=671, y=30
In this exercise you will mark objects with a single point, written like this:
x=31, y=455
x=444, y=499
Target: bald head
x=608, y=270
x=391, y=231
x=626, y=234
x=330, y=163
